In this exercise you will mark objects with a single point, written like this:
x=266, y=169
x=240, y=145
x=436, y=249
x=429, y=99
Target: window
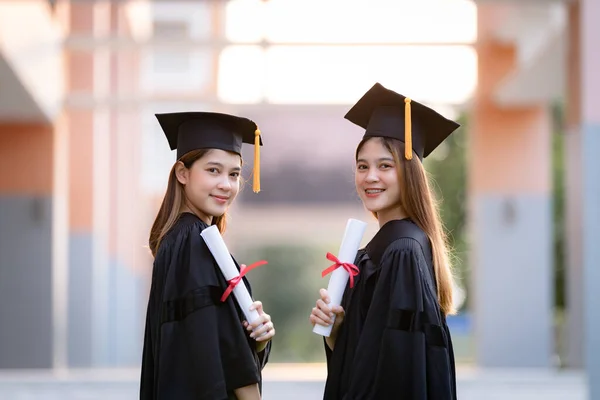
x=357, y=21
x=178, y=68
x=171, y=29
x=171, y=61
x=341, y=74
x=241, y=74
x=332, y=51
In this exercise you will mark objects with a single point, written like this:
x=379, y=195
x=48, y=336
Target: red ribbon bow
x=234, y=281
x=351, y=268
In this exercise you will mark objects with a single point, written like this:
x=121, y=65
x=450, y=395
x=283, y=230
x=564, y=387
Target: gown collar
x=388, y=233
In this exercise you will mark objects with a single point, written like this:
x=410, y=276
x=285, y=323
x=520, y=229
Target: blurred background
x=84, y=166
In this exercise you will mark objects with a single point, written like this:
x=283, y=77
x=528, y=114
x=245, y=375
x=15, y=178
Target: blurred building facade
x=69, y=219
x=84, y=164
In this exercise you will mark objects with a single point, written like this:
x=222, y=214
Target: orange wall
x=26, y=156
x=80, y=121
x=80, y=125
x=509, y=147
x=81, y=17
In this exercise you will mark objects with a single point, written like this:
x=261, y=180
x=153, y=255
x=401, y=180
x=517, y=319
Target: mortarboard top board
x=385, y=113
x=188, y=131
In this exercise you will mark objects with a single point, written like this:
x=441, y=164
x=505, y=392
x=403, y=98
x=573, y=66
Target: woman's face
x=211, y=183
x=376, y=179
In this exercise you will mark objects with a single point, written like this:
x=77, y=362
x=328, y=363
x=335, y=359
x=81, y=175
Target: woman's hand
x=263, y=334
x=322, y=314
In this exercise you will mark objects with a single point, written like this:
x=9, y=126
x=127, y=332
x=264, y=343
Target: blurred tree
x=558, y=203
x=288, y=287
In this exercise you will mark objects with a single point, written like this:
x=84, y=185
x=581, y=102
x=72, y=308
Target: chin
x=219, y=212
x=371, y=207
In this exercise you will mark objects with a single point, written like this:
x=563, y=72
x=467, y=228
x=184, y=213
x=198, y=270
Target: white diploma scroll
x=355, y=230
x=217, y=247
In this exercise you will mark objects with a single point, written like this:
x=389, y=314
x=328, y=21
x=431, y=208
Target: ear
x=182, y=173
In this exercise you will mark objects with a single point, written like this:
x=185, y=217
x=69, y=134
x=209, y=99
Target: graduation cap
x=385, y=113
x=188, y=131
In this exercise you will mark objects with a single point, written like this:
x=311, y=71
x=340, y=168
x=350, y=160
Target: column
x=509, y=217
x=583, y=190
x=26, y=205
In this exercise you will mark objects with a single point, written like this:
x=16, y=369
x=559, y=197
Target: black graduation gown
x=195, y=346
x=394, y=342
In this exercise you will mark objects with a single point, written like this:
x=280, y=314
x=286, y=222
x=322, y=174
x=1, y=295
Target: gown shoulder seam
x=414, y=243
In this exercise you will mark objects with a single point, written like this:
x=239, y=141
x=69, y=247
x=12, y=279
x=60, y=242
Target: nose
x=224, y=183
x=372, y=175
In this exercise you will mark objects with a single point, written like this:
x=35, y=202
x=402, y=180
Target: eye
x=235, y=174
x=213, y=170
x=386, y=166
x=361, y=167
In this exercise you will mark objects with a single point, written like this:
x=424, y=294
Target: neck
x=187, y=207
x=386, y=216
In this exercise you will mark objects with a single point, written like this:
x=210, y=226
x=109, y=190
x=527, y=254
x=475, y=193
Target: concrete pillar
x=106, y=237
x=573, y=199
x=583, y=190
x=89, y=138
x=509, y=217
x=128, y=236
x=60, y=244
x=26, y=206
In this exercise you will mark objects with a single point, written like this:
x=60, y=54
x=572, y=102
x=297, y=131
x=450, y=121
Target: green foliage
x=558, y=202
x=288, y=287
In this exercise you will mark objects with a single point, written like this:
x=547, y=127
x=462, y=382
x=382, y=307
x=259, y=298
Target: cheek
x=200, y=181
x=391, y=179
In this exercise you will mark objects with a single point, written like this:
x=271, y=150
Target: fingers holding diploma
x=262, y=329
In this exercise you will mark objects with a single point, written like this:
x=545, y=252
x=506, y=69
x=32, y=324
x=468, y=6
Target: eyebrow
x=218, y=164
x=380, y=159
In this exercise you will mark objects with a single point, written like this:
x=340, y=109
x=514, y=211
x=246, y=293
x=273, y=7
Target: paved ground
x=291, y=382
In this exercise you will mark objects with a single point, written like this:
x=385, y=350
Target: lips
x=373, y=192
x=220, y=199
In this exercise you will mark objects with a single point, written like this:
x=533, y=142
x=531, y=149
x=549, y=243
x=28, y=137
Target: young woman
x=390, y=339
x=197, y=346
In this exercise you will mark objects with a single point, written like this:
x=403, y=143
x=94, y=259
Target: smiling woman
x=390, y=338
x=210, y=183
x=189, y=327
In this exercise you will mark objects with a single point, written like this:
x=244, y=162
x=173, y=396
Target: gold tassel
x=256, y=174
x=407, y=130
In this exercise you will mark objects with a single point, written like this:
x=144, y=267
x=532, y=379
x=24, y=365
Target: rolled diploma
x=217, y=247
x=355, y=230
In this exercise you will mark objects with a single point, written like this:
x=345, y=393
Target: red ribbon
x=350, y=268
x=234, y=281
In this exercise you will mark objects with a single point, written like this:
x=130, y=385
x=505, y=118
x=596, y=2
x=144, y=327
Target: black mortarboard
x=187, y=131
x=385, y=113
